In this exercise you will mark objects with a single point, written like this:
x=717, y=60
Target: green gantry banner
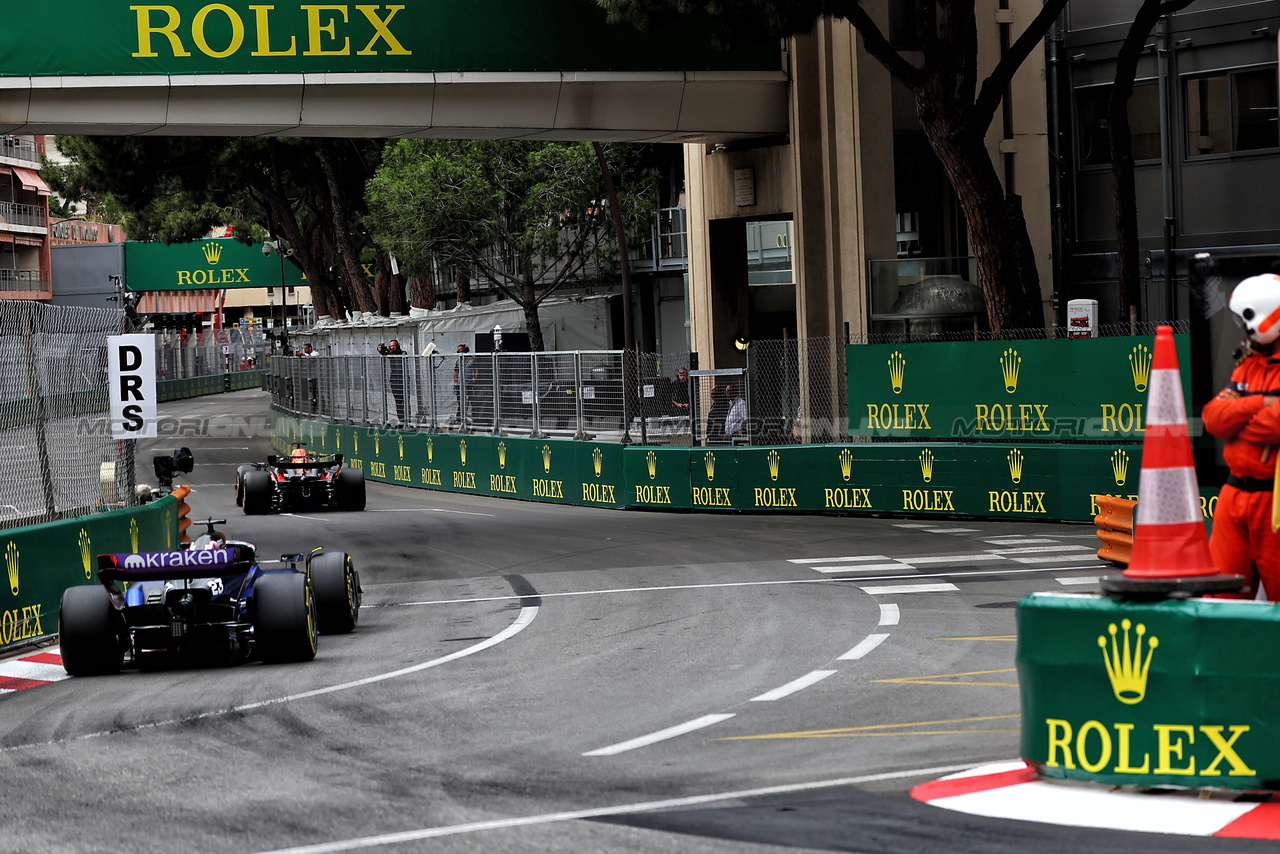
x=212, y=264
x=91, y=37
x=1067, y=389
x=1149, y=694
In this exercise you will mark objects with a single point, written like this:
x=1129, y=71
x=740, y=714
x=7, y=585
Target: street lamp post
x=267, y=247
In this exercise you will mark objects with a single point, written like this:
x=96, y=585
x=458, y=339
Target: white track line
x=888, y=614
x=660, y=735
x=868, y=643
x=951, y=530
x=1083, y=579
x=974, y=558
x=602, y=812
x=836, y=559
x=793, y=686
x=1039, y=549
x=876, y=567
x=890, y=589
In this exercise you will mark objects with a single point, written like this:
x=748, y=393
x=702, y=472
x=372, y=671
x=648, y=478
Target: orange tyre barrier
x=181, y=493
x=1115, y=528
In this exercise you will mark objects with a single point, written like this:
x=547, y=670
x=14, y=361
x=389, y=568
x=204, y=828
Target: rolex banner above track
x=214, y=264
x=1150, y=693
x=1062, y=390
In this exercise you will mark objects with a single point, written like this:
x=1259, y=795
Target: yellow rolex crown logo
x=133, y=534
x=896, y=366
x=401, y=440
x=1140, y=366
x=377, y=445
x=546, y=459
x=774, y=462
x=355, y=441
x=502, y=455
x=85, y=546
x=1127, y=669
x=462, y=451
x=846, y=464
x=212, y=252
x=1120, y=466
x=926, y=464
x=11, y=563
x=337, y=440
x=1009, y=364
x=431, y=451
x=709, y=460
x=652, y=459
x=1015, y=465
x=597, y=459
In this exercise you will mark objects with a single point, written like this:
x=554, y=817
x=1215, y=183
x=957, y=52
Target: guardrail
x=14, y=213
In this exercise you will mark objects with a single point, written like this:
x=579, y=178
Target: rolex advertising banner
x=1180, y=693
x=89, y=37
x=213, y=264
x=41, y=561
x=1092, y=389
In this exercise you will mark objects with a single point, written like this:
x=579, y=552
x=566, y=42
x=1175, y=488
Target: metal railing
x=175, y=362
x=24, y=280
x=19, y=149
x=16, y=213
x=666, y=246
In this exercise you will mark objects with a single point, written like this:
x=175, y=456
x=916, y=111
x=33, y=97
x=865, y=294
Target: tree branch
x=995, y=86
x=876, y=44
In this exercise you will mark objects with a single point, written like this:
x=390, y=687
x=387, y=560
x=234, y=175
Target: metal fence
x=57, y=452
x=175, y=361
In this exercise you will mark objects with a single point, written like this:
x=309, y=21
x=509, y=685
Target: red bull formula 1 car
x=303, y=481
x=213, y=603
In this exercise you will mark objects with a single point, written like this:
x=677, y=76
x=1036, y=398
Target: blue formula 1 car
x=211, y=603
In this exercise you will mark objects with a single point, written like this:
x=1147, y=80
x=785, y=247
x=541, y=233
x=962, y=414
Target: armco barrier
x=211, y=384
x=1028, y=482
x=42, y=561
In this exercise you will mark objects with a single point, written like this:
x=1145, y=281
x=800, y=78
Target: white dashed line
x=866, y=567
x=868, y=643
x=1039, y=550
x=794, y=686
x=888, y=614
x=660, y=735
x=890, y=589
x=1083, y=579
x=951, y=530
x=1019, y=541
x=836, y=559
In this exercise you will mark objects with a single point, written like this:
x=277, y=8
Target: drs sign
x=131, y=367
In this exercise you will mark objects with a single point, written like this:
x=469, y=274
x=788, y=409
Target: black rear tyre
x=284, y=626
x=350, y=489
x=257, y=493
x=337, y=586
x=240, y=473
x=87, y=636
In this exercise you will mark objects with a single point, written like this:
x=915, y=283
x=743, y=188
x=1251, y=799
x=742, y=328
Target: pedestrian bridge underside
x=547, y=69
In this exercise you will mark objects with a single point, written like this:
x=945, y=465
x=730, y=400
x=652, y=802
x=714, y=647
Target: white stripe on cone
x=1165, y=405
x=1168, y=497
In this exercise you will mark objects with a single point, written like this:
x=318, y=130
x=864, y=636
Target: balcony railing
x=24, y=280
x=13, y=213
x=666, y=247
x=19, y=149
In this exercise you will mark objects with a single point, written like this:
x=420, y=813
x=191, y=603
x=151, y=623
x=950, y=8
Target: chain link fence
x=176, y=361
x=1105, y=330
x=57, y=451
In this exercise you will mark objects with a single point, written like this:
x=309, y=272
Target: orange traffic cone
x=1168, y=532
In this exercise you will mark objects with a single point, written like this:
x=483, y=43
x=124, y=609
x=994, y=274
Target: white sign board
x=131, y=378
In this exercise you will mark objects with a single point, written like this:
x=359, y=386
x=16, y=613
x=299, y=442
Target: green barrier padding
x=180, y=389
x=1175, y=693
x=44, y=560
x=1078, y=389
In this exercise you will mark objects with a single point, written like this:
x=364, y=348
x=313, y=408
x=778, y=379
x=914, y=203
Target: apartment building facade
x=24, y=220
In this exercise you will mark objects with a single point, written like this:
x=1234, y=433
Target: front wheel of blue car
x=87, y=636
x=284, y=626
x=337, y=587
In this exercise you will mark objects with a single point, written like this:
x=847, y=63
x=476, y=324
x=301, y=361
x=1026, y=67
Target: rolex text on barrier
x=1149, y=693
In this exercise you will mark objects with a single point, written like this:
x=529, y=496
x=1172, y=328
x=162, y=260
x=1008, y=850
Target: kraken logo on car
x=546, y=459
x=597, y=459
x=897, y=364
x=926, y=464
x=846, y=464
x=133, y=534
x=1010, y=362
x=775, y=463
x=502, y=455
x=1120, y=467
x=1127, y=670
x=85, y=547
x=11, y=563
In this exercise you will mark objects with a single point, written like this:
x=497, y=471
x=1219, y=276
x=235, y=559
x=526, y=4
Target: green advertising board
x=41, y=561
x=1150, y=693
x=179, y=37
x=1067, y=389
x=214, y=264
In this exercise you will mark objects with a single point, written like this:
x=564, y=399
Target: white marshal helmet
x=1256, y=305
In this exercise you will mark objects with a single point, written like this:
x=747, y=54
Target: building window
x=1094, y=128
x=1233, y=111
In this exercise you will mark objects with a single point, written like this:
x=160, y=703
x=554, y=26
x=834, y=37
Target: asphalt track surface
x=535, y=678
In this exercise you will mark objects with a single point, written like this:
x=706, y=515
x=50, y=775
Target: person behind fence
x=680, y=393
x=395, y=375
x=717, y=413
x=735, y=422
x=463, y=372
x=308, y=351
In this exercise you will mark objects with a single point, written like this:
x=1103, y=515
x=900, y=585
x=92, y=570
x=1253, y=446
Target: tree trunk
x=422, y=292
x=532, y=323
x=997, y=231
x=463, y=276
x=348, y=260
